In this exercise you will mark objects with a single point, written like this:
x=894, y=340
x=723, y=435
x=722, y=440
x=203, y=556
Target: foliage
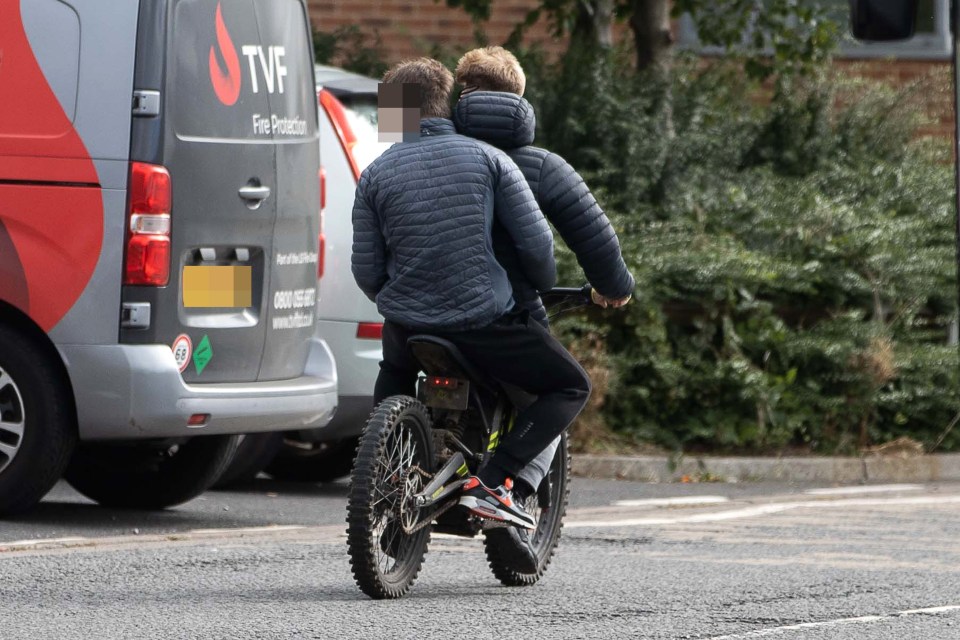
x=774, y=36
x=794, y=258
x=350, y=48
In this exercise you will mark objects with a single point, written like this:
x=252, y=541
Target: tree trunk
x=653, y=42
x=594, y=24
x=653, y=39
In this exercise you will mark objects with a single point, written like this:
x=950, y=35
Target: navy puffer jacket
x=507, y=121
x=422, y=222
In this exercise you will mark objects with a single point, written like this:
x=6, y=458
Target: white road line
x=267, y=529
x=33, y=543
x=877, y=488
x=772, y=631
x=670, y=502
x=766, y=509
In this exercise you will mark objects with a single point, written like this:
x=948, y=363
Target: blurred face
x=398, y=112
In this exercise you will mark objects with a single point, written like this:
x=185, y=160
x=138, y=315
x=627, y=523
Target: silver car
x=346, y=319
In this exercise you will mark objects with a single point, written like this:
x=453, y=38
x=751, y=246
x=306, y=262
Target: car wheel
x=255, y=452
x=38, y=428
x=313, y=461
x=150, y=475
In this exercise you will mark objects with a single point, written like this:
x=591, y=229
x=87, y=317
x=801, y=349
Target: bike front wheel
x=385, y=538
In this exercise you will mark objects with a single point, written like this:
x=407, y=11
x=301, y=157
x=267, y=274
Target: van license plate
x=217, y=286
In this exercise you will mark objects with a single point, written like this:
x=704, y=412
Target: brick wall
x=931, y=78
x=409, y=27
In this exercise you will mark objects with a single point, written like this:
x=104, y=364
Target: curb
x=915, y=468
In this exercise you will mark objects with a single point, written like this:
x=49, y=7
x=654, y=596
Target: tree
x=773, y=35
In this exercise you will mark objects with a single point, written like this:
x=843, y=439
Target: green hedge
x=795, y=258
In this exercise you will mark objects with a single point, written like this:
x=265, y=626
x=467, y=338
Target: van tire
x=256, y=450
x=36, y=383
x=149, y=476
x=320, y=462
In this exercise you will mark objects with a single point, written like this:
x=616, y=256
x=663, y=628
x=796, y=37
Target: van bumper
x=129, y=392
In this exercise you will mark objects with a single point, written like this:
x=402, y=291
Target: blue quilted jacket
x=422, y=231
x=507, y=121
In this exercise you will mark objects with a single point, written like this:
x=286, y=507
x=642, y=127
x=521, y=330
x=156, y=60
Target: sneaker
x=514, y=546
x=495, y=504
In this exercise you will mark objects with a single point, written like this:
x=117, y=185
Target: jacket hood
x=504, y=120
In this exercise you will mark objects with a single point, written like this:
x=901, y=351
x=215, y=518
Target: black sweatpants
x=514, y=349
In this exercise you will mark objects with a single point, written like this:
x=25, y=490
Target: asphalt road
x=739, y=561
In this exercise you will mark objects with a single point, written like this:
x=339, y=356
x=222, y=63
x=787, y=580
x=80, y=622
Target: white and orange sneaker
x=495, y=504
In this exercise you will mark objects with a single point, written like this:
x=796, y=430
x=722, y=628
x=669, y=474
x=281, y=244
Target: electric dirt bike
x=415, y=454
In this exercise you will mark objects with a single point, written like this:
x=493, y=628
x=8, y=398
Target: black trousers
x=514, y=349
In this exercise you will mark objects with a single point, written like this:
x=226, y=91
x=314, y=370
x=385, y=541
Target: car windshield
x=361, y=112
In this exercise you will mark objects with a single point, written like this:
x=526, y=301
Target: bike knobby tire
x=548, y=506
x=395, y=443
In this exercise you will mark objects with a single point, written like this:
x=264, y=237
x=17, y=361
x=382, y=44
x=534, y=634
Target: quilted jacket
x=507, y=121
x=422, y=221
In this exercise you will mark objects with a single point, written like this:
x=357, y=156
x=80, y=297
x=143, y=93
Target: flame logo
x=225, y=85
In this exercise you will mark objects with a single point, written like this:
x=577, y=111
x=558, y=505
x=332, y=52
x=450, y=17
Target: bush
x=794, y=258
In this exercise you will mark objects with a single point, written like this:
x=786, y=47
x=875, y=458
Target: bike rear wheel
x=393, y=461
x=548, y=507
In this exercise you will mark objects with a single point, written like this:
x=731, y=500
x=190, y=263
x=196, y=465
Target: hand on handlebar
x=602, y=301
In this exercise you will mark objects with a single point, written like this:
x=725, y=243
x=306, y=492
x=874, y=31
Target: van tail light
x=370, y=330
x=322, y=244
x=338, y=118
x=148, y=233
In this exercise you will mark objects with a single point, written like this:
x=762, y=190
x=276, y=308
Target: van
x=159, y=241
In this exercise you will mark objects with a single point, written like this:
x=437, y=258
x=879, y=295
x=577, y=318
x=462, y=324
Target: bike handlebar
x=584, y=292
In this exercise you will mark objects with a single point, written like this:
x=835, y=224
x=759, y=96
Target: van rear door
x=243, y=242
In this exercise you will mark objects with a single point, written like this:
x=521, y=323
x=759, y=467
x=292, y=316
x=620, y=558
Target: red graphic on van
x=51, y=207
x=225, y=85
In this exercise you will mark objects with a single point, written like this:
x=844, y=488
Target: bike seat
x=440, y=357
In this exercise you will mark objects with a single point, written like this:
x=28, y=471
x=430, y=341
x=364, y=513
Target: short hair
x=435, y=80
x=491, y=69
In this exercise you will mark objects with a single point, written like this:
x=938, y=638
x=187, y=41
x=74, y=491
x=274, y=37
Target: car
x=347, y=321
x=159, y=243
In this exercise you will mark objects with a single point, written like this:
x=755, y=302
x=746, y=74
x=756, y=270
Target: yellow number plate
x=221, y=287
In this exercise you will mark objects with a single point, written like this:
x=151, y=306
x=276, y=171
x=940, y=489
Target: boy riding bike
x=423, y=251
x=491, y=108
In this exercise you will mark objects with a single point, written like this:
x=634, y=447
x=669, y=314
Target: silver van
x=159, y=223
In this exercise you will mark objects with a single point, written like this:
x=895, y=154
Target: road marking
x=33, y=543
x=267, y=529
x=877, y=488
x=669, y=502
x=772, y=631
x=767, y=509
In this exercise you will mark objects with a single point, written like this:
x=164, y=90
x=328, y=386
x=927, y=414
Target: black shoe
x=515, y=547
x=495, y=504
x=391, y=538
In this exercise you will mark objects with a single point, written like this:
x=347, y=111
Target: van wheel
x=256, y=450
x=313, y=461
x=38, y=429
x=150, y=476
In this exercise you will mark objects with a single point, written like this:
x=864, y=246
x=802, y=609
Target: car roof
x=339, y=81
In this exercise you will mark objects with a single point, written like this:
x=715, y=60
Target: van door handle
x=254, y=194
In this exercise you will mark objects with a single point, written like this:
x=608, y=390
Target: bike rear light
x=444, y=383
x=338, y=118
x=198, y=420
x=148, y=232
x=370, y=330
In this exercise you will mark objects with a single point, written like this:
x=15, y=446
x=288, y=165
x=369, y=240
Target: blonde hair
x=491, y=69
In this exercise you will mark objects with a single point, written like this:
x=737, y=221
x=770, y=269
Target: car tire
x=255, y=452
x=150, y=475
x=313, y=462
x=38, y=427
